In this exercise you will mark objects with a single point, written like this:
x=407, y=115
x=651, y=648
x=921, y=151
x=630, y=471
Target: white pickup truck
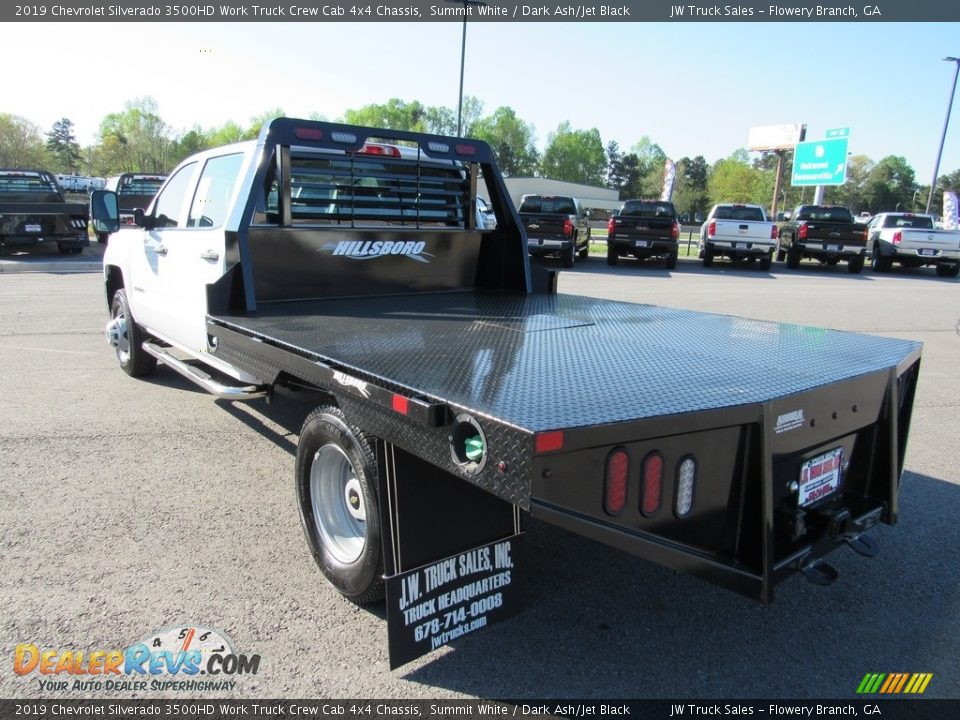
x=913, y=241
x=739, y=232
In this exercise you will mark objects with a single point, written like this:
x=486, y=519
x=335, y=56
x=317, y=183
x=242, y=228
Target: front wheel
x=336, y=475
x=127, y=338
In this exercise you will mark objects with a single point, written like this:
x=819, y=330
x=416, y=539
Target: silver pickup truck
x=913, y=241
x=739, y=232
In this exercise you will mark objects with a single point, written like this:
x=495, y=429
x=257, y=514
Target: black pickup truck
x=556, y=225
x=644, y=229
x=33, y=212
x=826, y=233
x=457, y=392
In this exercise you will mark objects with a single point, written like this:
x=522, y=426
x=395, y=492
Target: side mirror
x=139, y=218
x=104, y=211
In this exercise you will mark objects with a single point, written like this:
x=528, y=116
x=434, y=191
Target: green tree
x=690, y=194
x=890, y=185
x=137, y=139
x=21, y=143
x=575, y=156
x=734, y=179
x=511, y=139
x=258, y=121
x=650, y=161
x=191, y=142
x=63, y=146
x=395, y=114
x=851, y=193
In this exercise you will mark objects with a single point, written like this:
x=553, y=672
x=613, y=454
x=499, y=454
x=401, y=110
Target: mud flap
x=453, y=555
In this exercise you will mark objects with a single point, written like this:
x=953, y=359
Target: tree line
x=137, y=139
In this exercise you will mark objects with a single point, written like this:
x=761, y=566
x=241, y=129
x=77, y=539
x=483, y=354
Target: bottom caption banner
x=369, y=709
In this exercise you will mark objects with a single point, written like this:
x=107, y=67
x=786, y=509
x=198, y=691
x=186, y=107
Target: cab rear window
x=544, y=204
x=739, y=212
x=648, y=209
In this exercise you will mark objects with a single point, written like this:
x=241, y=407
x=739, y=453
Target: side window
x=212, y=198
x=170, y=199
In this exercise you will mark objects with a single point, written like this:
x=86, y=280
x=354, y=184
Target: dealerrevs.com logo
x=184, y=659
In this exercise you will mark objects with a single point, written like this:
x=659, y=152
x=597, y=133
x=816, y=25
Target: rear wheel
x=766, y=261
x=793, y=257
x=127, y=338
x=570, y=254
x=855, y=265
x=944, y=270
x=672, y=260
x=781, y=253
x=879, y=263
x=339, y=507
x=612, y=256
x=707, y=255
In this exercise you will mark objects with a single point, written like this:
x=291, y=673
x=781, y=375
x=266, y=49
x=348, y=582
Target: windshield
x=648, y=209
x=31, y=187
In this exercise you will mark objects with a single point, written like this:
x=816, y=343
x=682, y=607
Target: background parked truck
x=738, y=231
x=644, y=229
x=912, y=241
x=826, y=233
x=33, y=211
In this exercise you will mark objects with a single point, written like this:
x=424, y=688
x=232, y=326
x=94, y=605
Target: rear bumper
x=747, y=530
x=644, y=248
x=66, y=241
x=831, y=250
x=547, y=246
x=742, y=248
x=918, y=254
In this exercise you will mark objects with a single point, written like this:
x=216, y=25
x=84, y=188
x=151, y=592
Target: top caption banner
x=496, y=11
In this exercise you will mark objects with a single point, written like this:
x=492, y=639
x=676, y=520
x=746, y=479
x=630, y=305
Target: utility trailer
x=460, y=392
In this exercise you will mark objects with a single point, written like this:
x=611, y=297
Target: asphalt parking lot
x=128, y=506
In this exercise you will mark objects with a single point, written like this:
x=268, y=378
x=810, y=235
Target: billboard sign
x=776, y=137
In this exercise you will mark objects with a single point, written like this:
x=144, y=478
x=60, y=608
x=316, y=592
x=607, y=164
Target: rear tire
x=612, y=256
x=672, y=260
x=707, y=256
x=766, y=261
x=336, y=485
x=944, y=270
x=879, y=263
x=793, y=258
x=133, y=359
x=781, y=253
x=855, y=265
x=570, y=254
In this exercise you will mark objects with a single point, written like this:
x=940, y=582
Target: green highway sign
x=837, y=133
x=821, y=162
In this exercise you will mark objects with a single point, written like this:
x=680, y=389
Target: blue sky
x=692, y=88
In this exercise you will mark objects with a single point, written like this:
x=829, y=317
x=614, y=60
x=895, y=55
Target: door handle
x=161, y=249
x=210, y=255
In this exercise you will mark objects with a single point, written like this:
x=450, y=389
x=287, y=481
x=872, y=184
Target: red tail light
x=773, y=232
x=548, y=442
x=611, y=226
x=615, y=482
x=897, y=237
x=374, y=149
x=675, y=233
x=712, y=228
x=567, y=226
x=652, y=483
x=803, y=232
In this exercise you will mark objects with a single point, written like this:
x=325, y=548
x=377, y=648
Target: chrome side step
x=205, y=379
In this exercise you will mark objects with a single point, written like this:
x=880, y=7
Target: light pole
x=463, y=56
x=943, y=135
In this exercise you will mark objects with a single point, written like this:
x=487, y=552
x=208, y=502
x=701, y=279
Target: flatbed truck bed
x=458, y=392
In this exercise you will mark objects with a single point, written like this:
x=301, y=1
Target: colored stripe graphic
x=894, y=683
